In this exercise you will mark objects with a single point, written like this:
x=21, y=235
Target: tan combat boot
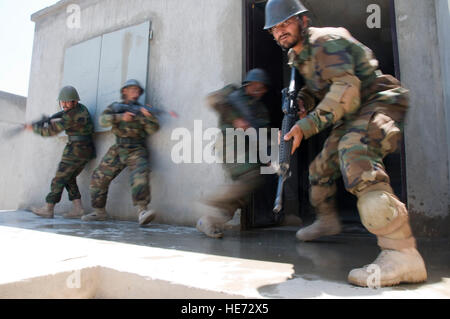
x=326, y=224
x=384, y=215
x=145, y=215
x=77, y=210
x=211, y=226
x=391, y=267
x=323, y=200
x=99, y=214
x=46, y=211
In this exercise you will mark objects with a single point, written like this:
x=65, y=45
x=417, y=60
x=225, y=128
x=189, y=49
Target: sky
x=16, y=42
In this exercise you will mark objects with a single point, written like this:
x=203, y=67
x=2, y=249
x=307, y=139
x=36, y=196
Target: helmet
x=257, y=75
x=68, y=93
x=278, y=11
x=132, y=82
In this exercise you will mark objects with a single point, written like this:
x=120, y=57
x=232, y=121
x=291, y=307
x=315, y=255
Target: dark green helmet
x=68, y=93
x=257, y=75
x=132, y=82
x=278, y=11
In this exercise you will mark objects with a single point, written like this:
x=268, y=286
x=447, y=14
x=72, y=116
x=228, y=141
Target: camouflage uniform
x=245, y=174
x=129, y=151
x=367, y=124
x=77, y=123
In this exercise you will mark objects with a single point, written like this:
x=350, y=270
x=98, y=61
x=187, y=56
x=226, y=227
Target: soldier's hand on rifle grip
x=297, y=134
x=128, y=116
x=145, y=112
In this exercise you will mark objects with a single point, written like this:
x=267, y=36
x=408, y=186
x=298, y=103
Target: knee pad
x=381, y=212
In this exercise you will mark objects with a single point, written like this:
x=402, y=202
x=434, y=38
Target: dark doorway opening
x=261, y=51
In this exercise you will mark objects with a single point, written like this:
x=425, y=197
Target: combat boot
x=99, y=214
x=77, y=210
x=46, y=211
x=326, y=224
x=384, y=215
x=211, y=226
x=391, y=267
x=145, y=215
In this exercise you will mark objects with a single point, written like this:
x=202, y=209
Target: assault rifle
x=247, y=112
x=290, y=109
x=119, y=108
x=21, y=126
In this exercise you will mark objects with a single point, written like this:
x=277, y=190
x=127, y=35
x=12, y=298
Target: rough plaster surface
x=190, y=56
x=12, y=109
x=426, y=131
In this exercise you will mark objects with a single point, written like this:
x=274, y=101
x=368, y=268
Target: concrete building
x=198, y=46
x=12, y=112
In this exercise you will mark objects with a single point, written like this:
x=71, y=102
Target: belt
x=121, y=140
x=80, y=138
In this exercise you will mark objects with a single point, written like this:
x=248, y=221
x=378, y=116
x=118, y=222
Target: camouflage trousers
x=355, y=150
x=118, y=157
x=66, y=177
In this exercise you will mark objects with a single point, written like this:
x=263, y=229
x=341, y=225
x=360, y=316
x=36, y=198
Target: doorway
x=261, y=51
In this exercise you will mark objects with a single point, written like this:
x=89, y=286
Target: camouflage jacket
x=341, y=75
x=76, y=122
x=139, y=128
x=232, y=103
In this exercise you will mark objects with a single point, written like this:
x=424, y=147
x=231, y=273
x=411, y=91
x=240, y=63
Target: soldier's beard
x=287, y=45
x=295, y=39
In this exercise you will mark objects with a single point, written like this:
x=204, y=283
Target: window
x=98, y=67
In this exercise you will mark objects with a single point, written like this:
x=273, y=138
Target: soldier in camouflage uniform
x=345, y=89
x=80, y=149
x=238, y=108
x=130, y=150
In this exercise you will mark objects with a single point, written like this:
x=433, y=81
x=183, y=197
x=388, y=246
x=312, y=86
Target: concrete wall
x=12, y=110
x=423, y=40
x=197, y=48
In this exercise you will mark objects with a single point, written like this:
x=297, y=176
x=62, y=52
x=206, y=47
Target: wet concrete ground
x=328, y=259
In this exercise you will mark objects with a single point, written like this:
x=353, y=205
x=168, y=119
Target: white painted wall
x=197, y=48
x=422, y=39
x=12, y=110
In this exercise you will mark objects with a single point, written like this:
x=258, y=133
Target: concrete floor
x=297, y=270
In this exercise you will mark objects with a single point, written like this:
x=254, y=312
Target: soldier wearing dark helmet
x=130, y=150
x=238, y=108
x=76, y=122
x=344, y=89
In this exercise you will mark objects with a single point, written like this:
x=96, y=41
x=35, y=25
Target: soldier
x=80, y=149
x=130, y=150
x=345, y=89
x=239, y=108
